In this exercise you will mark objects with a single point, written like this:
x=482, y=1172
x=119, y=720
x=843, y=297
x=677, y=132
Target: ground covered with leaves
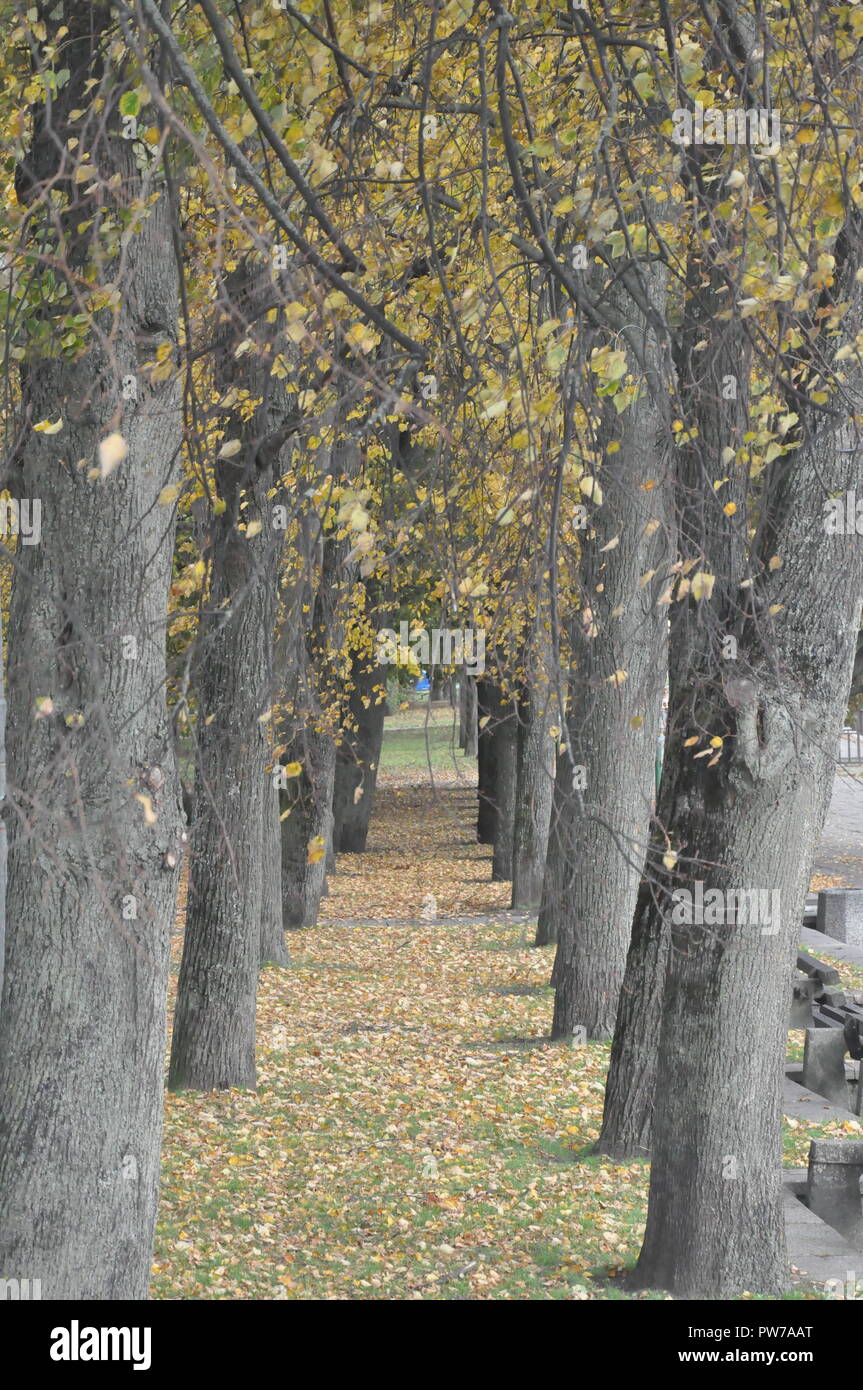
x=414, y=1133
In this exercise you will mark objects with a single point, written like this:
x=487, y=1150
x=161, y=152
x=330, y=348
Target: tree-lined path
x=414, y=1134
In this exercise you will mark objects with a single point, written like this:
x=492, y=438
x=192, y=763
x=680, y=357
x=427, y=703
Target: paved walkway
x=814, y=1248
x=840, y=853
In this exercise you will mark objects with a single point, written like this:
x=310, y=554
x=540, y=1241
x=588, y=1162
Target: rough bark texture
x=462, y=711
x=604, y=814
x=92, y=875
x=308, y=827
x=630, y=1087
x=752, y=818
x=714, y=1223
x=310, y=686
x=274, y=950
x=470, y=734
x=358, y=756
x=535, y=787
x=552, y=878
x=486, y=822
x=505, y=735
x=213, y=1044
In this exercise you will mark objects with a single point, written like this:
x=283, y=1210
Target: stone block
x=824, y=1065
x=840, y=914
x=833, y=1185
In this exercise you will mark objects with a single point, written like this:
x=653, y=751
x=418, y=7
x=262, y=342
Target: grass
x=408, y=751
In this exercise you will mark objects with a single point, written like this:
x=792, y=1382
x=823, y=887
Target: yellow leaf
x=317, y=850
x=169, y=494
x=590, y=488
x=112, y=450
x=617, y=677
x=46, y=427
x=293, y=769
x=702, y=585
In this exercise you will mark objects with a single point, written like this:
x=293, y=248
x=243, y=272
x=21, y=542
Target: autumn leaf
x=112, y=450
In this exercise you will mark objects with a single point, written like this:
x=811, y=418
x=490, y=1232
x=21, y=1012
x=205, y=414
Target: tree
x=615, y=686
x=213, y=1044
x=358, y=753
x=535, y=769
x=94, y=813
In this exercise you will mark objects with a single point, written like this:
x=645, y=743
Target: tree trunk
x=213, y=1045
x=613, y=720
x=486, y=824
x=470, y=733
x=4, y=848
x=308, y=826
x=274, y=951
x=535, y=788
x=552, y=876
x=310, y=679
x=358, y=756
x=505, y=735
x=760, y=680
x=628, y=1113
x=93, y=807
x=714, y=1222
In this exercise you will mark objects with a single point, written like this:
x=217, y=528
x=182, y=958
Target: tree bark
x=505, y=735
x=274, y=950
x=308, y=826
x=358, y=756
x=630, y=1087
x=213, y=1044
x=462, y=711
x=309, y=682
x=552, y=877
x=535, y=788
x=604, y=815
x=470, y=736
x=93, y=808
x=748, y=817
x=486, y=825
